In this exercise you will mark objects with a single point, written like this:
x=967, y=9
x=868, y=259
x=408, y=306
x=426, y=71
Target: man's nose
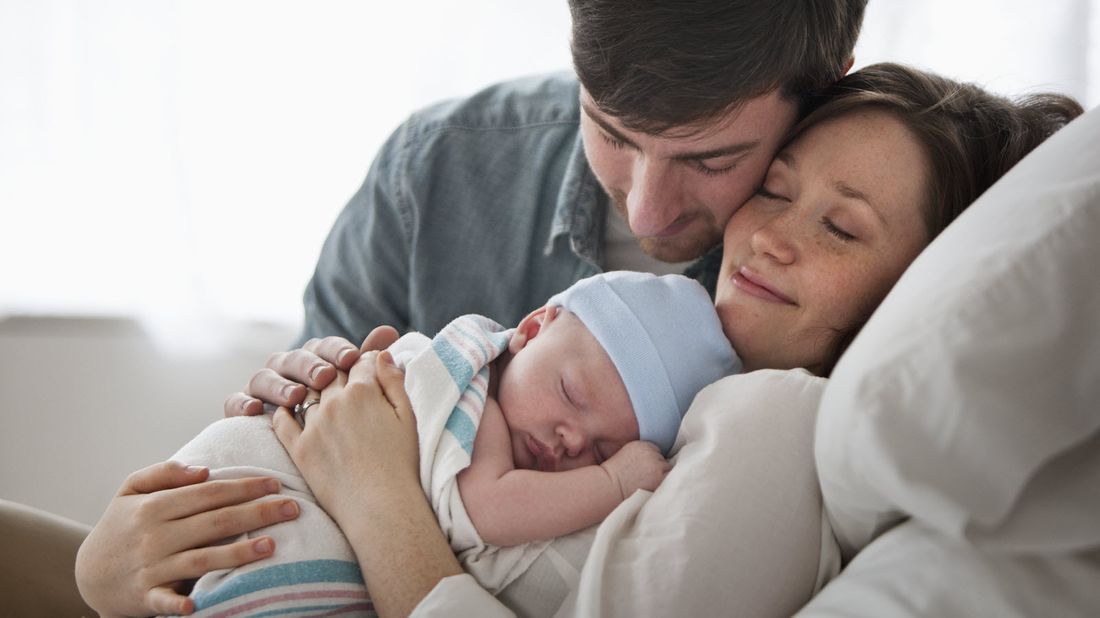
x=652, y=204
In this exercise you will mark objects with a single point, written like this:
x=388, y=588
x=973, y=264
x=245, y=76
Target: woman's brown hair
x=970, y=137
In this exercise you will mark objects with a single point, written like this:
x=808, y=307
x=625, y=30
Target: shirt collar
x=580, y=206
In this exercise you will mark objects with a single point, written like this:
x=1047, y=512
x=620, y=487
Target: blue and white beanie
x=664, y=337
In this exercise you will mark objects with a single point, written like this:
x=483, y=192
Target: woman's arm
x=359, y=454
x=154, y=533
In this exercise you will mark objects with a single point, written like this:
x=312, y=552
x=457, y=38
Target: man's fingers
x=240, y=404
x=338, y=351
x=267, y=384
x=380, y=338
x=164, y=475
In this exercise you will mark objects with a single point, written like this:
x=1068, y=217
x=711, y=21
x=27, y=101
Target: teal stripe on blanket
x=459, y=424
x=319, y=610
x=456, y=364
x=291, y=573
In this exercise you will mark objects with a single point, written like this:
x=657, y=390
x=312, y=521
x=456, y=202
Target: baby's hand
x=637, y=465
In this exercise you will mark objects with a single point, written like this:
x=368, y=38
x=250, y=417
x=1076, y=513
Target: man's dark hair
x=656, y=65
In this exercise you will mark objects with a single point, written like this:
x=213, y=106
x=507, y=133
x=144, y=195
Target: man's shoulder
x=539, y=100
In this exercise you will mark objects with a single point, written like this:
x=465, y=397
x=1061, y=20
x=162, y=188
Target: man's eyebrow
x=606, y=126
x=724, y=151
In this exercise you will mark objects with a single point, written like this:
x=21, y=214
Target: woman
x=884, y=161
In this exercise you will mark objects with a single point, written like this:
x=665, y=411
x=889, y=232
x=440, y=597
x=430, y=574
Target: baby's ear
x=530, y=327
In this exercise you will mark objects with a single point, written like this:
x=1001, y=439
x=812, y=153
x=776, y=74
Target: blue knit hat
x=664, y=337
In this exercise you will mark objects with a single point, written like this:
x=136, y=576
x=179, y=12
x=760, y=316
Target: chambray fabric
x=481, y=205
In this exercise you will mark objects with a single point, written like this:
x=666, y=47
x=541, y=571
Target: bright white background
x=182, y=161
x=170, y=169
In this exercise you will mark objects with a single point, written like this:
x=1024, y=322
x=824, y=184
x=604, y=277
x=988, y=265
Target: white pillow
x=971, y=400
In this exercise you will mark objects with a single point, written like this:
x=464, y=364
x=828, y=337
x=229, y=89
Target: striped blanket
x=314, y=570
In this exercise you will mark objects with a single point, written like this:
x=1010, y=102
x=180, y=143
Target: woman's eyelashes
x=837, y=231
x=830, y=226
x=768, y=195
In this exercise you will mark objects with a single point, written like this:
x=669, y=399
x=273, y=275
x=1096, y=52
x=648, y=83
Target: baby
x=525, y=434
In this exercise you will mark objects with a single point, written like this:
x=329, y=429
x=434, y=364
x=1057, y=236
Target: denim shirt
x=481, y=205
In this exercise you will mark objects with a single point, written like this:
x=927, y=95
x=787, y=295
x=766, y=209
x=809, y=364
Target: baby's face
x=564, y=402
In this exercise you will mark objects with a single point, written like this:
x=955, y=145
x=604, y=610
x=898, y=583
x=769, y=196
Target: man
x=493, y=203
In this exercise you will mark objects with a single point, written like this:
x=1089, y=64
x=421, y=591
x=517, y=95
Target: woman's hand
x=362, y=433
x=154, y=533
x=359, y=454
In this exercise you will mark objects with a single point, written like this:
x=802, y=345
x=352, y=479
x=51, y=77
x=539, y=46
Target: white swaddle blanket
x=313, y=569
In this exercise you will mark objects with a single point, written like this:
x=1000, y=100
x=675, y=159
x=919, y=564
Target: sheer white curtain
x=181, y=161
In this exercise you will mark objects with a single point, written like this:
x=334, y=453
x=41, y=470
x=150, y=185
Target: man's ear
x=848, y=66
x=530, y=327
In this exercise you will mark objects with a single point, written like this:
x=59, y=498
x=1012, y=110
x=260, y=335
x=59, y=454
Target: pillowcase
x=971, y=399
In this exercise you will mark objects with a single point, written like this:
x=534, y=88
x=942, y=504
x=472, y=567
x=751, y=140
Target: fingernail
x=289, y=508
x=263, y=546
x=342, y=356
x=195, y=469
x=316, y=371
x=386, y=357
x=272, y=486
x=288, y=391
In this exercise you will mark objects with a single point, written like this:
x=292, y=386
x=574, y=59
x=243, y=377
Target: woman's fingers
x=167, y=602
x=163, y=475
x=227, y=522
x=380, y=338
x=392, y=380
x=209, y=496
x=287, y=430
x=195, y=563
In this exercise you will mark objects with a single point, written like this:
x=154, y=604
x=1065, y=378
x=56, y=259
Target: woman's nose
x=775, y=239
x=653, y=202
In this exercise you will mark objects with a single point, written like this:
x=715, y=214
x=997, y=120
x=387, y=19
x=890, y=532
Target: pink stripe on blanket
x=293, y=596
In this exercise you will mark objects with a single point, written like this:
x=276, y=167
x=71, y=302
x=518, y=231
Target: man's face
x=677, y=190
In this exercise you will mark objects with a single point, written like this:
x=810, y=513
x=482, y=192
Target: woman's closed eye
x=768, y=195
x=836, y=230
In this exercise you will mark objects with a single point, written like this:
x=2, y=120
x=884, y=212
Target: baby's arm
x=510, y=506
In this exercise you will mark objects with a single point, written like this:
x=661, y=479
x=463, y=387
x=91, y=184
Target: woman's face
x=835, y=223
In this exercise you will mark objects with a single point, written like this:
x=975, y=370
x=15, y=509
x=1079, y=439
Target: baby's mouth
x=544, y=458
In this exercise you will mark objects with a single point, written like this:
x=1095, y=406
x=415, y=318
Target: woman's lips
x=755, y=285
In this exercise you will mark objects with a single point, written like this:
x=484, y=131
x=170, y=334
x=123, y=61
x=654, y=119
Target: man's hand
x=637, y=465
x=287, y=376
